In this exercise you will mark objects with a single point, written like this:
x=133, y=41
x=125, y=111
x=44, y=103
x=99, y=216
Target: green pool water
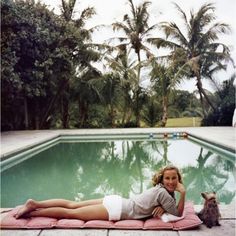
x=85, y=170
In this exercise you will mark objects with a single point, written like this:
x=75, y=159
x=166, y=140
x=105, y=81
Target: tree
x=76, y=43
x=197, y=53
x=225, y=102
x=84, y=35
x=124, y=68
x=186, y=103
x=41, y=54
x=151, y=114
x=29, y=34
x=85, y=92
x=111, y=93
x=162, y=77
x=136, y=29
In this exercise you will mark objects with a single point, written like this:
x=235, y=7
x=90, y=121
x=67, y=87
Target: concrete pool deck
x=16, y=141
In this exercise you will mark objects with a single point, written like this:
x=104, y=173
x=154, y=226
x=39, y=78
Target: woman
x=154, y=201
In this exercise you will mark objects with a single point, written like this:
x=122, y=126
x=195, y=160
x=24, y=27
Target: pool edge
x=17, y=141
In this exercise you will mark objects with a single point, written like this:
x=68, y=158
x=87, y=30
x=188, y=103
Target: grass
x=184, y=122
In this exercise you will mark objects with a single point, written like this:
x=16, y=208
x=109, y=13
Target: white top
x=142, y=205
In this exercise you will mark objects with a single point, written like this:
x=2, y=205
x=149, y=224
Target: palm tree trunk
x=164, y=110
x=202, y=91
x=201, y=99
x=124, y=115
x=83, y=113
x=137, y=108
x=112, y=116
x=126, y=111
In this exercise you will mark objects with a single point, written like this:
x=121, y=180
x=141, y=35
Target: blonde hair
x=158, y=177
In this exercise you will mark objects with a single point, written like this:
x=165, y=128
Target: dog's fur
x=210, y=213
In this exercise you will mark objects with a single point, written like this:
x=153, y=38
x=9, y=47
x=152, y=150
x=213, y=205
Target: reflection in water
x=80, y=171
x=211, y=174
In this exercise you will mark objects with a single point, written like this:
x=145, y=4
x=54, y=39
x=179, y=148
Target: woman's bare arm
x=181, y=189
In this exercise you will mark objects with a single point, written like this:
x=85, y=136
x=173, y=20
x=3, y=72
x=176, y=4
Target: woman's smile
x=170, y=180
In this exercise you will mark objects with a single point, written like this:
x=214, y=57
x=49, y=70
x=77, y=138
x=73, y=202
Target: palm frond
x=143, y=14
x=212, y=33
x=182, y=13
x=201, y=20
x=129, y=22
x=173, y=30
x=96, y=28
x=121, y=26
x=120, y=39
x=132, y=8
x=160, y=42
x=85, y=15
x=183, y=70
x=145, y=32
x=103, y=48
x=218, y=56
x=205, y=15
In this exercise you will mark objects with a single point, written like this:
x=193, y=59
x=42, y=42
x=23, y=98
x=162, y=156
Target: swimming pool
x=81, y=167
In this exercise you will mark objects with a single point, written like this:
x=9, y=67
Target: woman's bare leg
x=92, y=212
x=65, y=203
x=32, y=205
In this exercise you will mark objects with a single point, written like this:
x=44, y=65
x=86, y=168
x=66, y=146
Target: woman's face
x=170, y=180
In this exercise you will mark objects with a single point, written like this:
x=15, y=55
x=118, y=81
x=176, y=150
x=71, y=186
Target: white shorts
x=113, y=205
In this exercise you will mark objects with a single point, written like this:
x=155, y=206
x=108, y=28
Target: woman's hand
x=180, y=188
x=158, y=211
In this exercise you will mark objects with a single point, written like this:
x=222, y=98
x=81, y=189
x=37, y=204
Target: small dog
x=210, y=213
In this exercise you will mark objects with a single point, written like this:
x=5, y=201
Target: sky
x=110, y=11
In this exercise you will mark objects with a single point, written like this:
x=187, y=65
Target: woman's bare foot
x=29, y=206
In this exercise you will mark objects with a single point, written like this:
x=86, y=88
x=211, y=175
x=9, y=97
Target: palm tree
x=67, y=9
x=136, y=29
x=196, y=53
x=67, y=13
x=151, y=112
x=125, y=69
x=77, y=51
x=85, y=90
x=162, y=77
x=111, y=93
